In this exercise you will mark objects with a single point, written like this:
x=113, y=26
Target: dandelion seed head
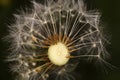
x=44, y=41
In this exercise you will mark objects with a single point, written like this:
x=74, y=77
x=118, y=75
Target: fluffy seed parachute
x=52, y=38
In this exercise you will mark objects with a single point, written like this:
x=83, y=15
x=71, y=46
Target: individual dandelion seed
x=53, y=37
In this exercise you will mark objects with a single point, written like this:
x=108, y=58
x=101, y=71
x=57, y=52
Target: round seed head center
x=58, y=53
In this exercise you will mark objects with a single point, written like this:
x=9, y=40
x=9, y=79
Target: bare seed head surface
x=58, y=54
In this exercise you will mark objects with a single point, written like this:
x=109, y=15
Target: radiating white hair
x=66, y=21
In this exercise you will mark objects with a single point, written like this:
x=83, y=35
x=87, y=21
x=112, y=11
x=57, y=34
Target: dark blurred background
x=110, y=19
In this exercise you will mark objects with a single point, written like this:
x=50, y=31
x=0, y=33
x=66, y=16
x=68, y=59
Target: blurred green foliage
x=5, y=2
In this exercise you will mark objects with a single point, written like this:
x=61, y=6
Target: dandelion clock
x=52, y=38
